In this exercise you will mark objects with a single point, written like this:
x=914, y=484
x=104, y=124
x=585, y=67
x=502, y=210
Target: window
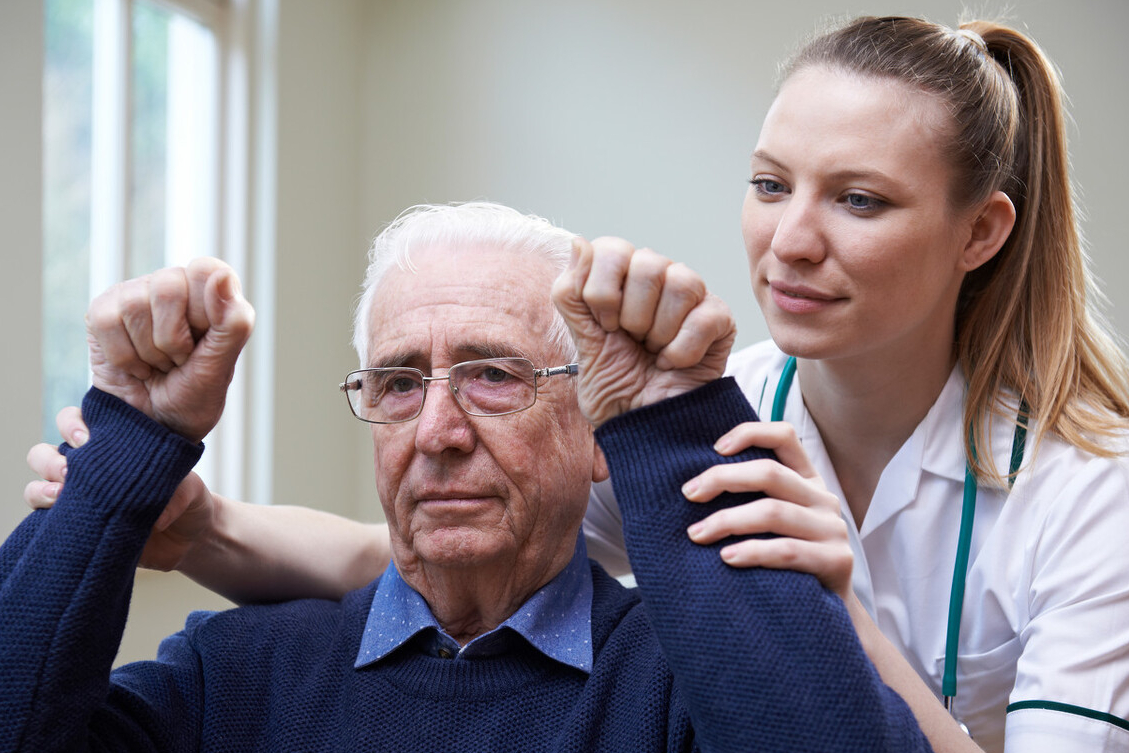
x=134, y=177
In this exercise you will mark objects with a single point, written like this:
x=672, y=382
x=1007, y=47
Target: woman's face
x=854, y=249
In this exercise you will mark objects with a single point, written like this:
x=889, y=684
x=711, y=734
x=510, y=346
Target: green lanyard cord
x=960, y=574
x=964, y=545
x=782, y=388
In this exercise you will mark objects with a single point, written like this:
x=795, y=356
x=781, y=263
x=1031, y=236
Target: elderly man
x=491, y=631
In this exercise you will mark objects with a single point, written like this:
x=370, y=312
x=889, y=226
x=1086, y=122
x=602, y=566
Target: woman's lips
x=800, y=299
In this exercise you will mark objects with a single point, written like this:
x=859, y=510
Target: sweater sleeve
x=66, y=575
x=761, y=656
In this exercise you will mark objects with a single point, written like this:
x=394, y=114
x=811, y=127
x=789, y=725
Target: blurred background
x=282, y=134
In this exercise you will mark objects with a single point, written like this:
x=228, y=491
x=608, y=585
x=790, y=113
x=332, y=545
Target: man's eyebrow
x=395, y=360
x=491, y=350
x=464, y=352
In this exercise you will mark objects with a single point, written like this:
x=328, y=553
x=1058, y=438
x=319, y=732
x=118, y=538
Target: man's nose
x=442, y=425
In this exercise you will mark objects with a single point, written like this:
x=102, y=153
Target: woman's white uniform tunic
x=1046, y=606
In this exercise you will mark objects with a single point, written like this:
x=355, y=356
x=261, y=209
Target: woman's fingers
x=71, y=426
x=831, y=564
x=770, y=515
x=39, y=495
x=778, y=436
x=808, y=539
x=46, y=462
x=810, y=532
x=49, y=464
x=769, y=477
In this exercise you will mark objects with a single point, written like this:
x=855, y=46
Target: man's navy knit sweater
x=710, y=658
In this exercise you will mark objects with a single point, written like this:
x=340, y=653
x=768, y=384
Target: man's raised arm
x=766, y=659
x=163, y=349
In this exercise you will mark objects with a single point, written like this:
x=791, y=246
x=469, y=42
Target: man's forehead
x=468, y=350
x=462, y=306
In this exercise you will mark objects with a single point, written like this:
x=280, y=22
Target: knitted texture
x=809, y=685
x=281, y=678
x=68, y=572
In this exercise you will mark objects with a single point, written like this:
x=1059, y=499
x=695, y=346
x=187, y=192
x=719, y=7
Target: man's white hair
x=463, y=226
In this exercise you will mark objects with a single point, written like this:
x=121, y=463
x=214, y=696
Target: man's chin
x=459, y=546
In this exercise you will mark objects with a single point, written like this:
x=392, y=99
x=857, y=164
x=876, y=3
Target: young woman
x=949, y=416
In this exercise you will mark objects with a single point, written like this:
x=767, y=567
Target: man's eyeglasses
x=488, y=387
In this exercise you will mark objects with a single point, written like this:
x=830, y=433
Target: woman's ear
x=990, y=229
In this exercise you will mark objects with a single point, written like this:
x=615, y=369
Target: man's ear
x=990, y=229
x=599, y=464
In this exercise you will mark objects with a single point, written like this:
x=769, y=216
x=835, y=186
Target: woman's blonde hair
x=1025, y=327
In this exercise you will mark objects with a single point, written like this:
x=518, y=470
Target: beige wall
x=321, y=245
x=632, y=117
x=21, y=49
x=637, y=117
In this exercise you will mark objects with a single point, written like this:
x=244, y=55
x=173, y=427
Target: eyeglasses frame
x=569, y=369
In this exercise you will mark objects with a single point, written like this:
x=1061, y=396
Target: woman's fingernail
x=80, y=438
x=690, y=487
x=722, y=445
x=52, y=491
x=696, y=529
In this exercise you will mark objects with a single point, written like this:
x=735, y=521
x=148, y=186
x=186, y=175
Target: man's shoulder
x=618, y=616
x=628, y=662
x=285, y=626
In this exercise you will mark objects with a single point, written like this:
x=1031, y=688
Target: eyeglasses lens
x=494, y=387
x=489, y=387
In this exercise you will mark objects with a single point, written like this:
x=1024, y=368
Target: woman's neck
x=866, y=408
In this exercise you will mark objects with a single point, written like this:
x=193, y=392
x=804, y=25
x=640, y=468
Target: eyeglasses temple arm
x=571, y=369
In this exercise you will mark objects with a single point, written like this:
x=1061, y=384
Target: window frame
x=241, y=196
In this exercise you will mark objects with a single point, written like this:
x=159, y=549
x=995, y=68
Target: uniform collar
x=936, y=446
x=556, y=620
x=941, y=434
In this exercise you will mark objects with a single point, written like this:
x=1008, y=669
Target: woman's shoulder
x=1071, y=485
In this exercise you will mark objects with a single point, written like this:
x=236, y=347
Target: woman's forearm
x=255, y=553
x=944, y=734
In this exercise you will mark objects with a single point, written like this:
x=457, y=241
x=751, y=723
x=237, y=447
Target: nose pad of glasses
x=457, y=405
x=461, y=399
x=443, y=425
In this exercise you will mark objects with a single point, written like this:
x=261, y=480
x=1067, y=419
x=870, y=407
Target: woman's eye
x=768, y=186
x=864, y=202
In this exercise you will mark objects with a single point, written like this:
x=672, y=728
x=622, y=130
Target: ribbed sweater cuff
x=131, y=464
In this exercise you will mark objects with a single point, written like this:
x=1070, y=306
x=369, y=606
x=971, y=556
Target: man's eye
x=402, y=384
x=496, y=375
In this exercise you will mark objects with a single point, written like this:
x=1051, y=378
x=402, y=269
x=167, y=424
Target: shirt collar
x=941, y=433
x=556, y=620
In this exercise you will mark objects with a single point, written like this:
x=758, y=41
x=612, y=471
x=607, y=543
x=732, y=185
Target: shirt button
x=445, y=653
